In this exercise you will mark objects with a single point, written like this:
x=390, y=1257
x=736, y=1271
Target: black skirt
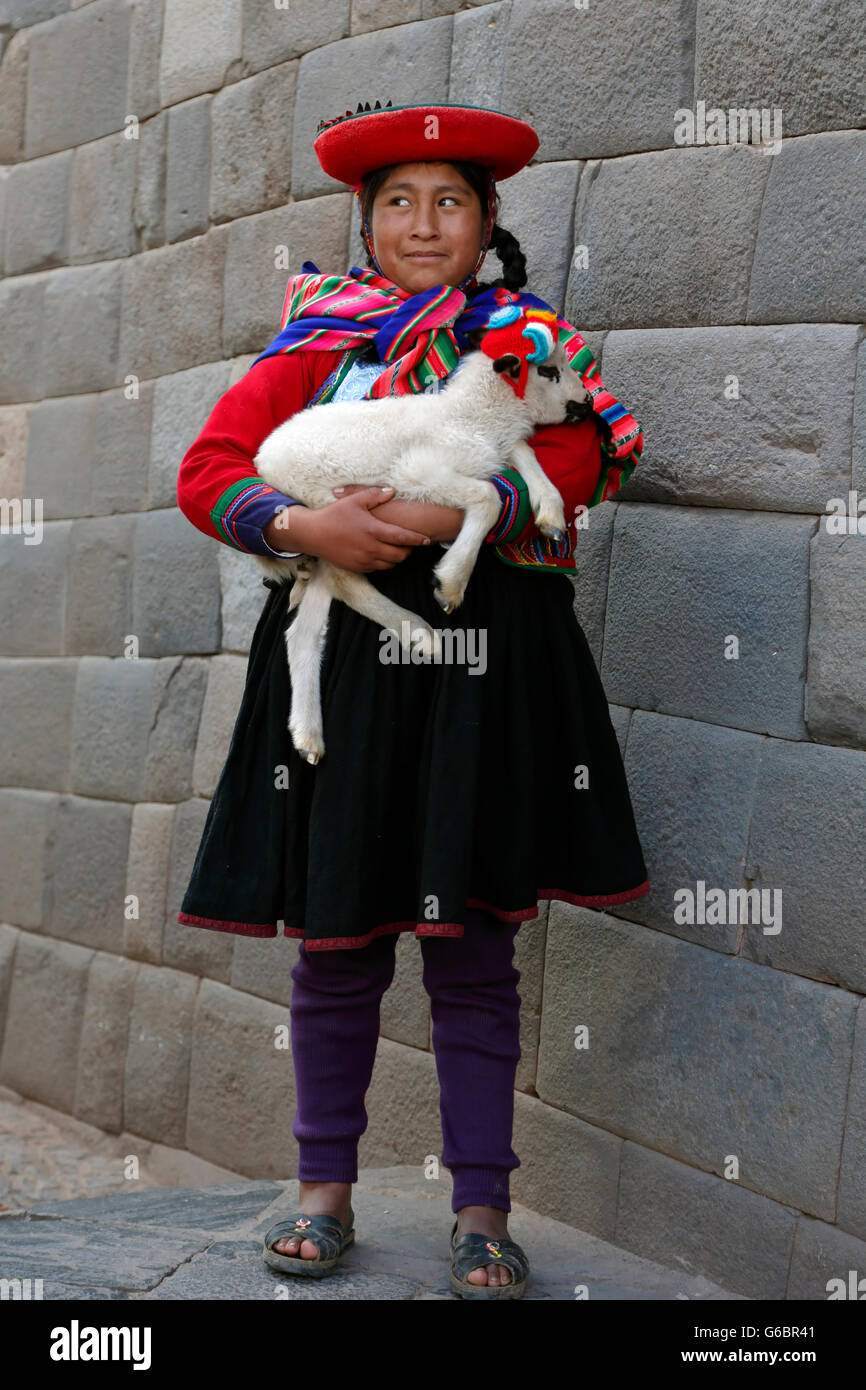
x=444, y=785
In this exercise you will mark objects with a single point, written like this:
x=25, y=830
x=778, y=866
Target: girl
x=452, y=797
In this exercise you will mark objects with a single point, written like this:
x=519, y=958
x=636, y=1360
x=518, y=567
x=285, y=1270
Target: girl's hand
x=346, y=532
x=438, y=522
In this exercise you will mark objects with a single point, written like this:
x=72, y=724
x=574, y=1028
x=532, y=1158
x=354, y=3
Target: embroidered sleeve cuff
x=516, y=510
x=242, y=512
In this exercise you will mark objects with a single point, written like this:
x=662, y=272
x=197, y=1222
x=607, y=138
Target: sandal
x=472, y=1251
x=328, y=1235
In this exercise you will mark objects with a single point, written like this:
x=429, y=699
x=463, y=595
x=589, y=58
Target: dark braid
x=503, y=242
x=507, y=248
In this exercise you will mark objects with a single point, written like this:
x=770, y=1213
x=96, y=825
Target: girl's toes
x=477, y=1276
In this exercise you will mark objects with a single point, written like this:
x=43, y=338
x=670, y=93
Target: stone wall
x=154, y=153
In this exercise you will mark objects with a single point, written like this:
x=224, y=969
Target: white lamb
x=439, y=448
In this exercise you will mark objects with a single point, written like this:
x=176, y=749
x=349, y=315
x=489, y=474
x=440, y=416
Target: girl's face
x=426, y=226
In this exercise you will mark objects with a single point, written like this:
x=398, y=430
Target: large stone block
x=104, y=1033
x=594, y=542
x=175, y=584
x=635, y=279
x=21, y=305
x=807, y=60
x=584, y=115
x=172, y=307
x=225, y=687
x=119, y=474
x=181, y=406
x=145, y=39
x=241, y=1084
x=26, y=829
x=77, y=76
x=404, y=1085
x=16, y=14
x=701, y=1224
x=13, y=108
x=272, y=33
x=858, y=470
x=33, y=585
x=836, y=674
x=408, y=63
x=201, y=47
x=529, y=945
x=620, y=718
x=806, y=840
x=383, y=14
x=823, y=1261
x=14, y=433
x=110, y=727
x=808, y=261
x=135, y=726
x=36, y=698
x=199, y=950
x=738, y=429
x=243, y=598
x=263, y=965
x=37, y=196
x=851, y=1211
x=673, y=1034
x=478, y=49
x=86, y=872
x=251, y=142
x=176, y=702
x=146, y=879
x=568, y=1170
x=405, y=1008
x=82, y=317
x=692, y=787
x=43, y=1026
x=102, y=190
x=99, y=602
x=8, y=942
x=254, y=285
x=538, y=207
x=60, y=451
x=149, y=201
x=5, y=175
x=156, y=1075
x=682, y=584
x=187, y=184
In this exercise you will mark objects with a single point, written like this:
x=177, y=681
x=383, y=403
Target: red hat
x=349, y=146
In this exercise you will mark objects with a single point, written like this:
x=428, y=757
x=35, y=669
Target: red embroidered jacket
x=220, y=492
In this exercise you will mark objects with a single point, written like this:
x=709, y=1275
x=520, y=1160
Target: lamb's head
x=552, y=392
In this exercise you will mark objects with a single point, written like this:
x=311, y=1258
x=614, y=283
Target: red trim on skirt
x=452, y=929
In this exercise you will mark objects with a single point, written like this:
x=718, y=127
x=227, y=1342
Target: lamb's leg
x=544, y=498
x=358, y=593
x=481, y=505
x=305, y=641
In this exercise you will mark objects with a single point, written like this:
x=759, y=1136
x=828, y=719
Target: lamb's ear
x=475, y=336
x=510, y=363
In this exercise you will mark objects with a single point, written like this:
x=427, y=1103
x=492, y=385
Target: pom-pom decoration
x=541, y=336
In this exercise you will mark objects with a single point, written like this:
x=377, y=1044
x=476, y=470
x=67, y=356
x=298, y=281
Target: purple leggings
x=475, y=1007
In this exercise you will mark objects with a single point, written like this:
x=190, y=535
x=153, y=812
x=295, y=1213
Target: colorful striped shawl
x=419, y=338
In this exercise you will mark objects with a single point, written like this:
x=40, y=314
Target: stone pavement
x=186, y=1229
x=205, y=1242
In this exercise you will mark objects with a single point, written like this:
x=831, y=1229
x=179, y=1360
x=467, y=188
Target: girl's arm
x=570, y=455
x=220, y=492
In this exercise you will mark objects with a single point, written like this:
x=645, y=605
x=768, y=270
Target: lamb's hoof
x=446, y=603
x=554, y=533
x=308, y=746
